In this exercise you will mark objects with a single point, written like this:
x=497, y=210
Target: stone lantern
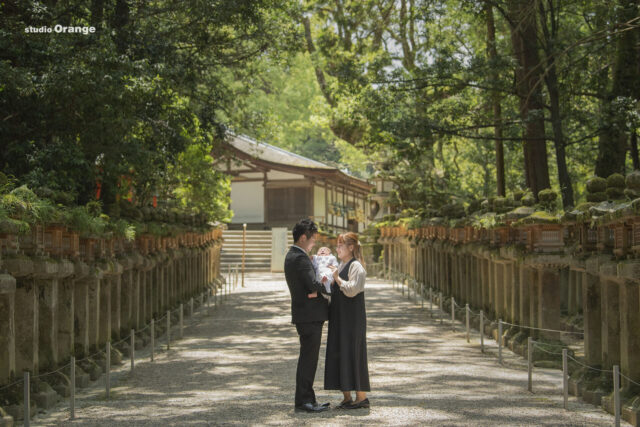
x=379, y=198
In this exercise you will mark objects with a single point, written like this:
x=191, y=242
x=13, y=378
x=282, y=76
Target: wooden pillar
x=592, y=306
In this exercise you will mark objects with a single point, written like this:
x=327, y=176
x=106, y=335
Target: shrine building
x=272, y=187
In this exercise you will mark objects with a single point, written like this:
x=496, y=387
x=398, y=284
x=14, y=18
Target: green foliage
x=86, y=112
x=284, y=106
x=199, y=187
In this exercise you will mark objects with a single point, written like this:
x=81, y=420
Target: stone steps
x=257, y=250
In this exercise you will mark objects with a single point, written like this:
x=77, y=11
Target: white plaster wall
x=283, y=175
x=247, y=202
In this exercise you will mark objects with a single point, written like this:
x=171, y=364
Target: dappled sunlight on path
x=237, y=366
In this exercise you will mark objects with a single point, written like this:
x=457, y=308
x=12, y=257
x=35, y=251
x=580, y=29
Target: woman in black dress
x=346, y=361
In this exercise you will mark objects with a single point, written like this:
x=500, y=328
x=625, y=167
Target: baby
x=321, y=262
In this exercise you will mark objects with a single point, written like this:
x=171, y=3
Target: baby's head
x=324, y=251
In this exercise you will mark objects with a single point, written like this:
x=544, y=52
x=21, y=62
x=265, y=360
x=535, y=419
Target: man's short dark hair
x=306, y=227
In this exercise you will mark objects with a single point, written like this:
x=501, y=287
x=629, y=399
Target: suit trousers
x=310, y=334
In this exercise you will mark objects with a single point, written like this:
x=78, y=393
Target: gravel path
x=237, y=367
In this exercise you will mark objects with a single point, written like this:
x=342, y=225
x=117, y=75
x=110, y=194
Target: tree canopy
x=452, y=100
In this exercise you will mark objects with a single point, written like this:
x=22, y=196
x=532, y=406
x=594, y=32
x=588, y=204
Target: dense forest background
x=449, y=99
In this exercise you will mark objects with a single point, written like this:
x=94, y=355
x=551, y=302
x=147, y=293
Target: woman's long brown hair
x=351, y=239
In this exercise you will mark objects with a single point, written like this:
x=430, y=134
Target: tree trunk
x=311, y=48
x=528, y=87
x=612, y=143
x=121, y=24
x=634, y=150
x=495, y=101
x=97, y=11
x=551, y=80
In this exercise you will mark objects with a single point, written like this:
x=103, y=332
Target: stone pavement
x=237, y=366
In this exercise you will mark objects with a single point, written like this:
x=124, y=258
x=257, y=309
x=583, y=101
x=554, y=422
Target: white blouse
x=357, y=276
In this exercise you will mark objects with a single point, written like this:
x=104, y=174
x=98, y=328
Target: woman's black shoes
x=344, y=404
x=357, y=405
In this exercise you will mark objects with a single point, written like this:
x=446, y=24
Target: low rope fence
x=399, y=279
x=231, y=283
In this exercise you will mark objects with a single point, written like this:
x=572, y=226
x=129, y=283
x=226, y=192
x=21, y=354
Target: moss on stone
x=597, y=197
x=615, y=193
x=547, y=195
x=615, y=180
x=631, y=194
x=633, y=180
x=539, y=217
x=596, y=184
x=528, y=200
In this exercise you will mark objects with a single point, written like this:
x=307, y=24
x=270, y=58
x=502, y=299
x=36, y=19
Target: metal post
x=441, y=310
x=500, y=341
x=191, y=307
x=168, y=330
x=153, y=339
x=530, y=363
x=430, y=301
x=466, y=308
x=616, y=393
x=181, y=316
x=72, y=401
x=133, y=347
x=244, y=240
x=108, y=373
x=482, y=331
x=453, y=313
x=565, y=378
x=27, y=402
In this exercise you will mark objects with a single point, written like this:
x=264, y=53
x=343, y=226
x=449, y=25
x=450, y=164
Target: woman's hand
x=313, y=295
x=336, y=278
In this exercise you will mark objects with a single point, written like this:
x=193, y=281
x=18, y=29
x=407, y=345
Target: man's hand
x=313, y=295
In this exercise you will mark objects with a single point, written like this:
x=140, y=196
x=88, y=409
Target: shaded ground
x=237, y=366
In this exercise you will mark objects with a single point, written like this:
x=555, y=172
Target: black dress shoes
x=357, y=405
x=311, y=407
x=323, y=404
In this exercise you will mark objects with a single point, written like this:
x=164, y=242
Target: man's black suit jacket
x=301, y=280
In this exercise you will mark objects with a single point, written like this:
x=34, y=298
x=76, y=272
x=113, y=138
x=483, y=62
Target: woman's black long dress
x=346, y=359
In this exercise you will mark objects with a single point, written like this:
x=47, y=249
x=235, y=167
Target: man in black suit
x=309, y=310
